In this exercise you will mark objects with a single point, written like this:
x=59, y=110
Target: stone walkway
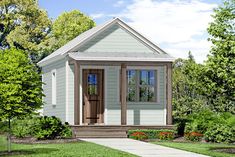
x=141, y=148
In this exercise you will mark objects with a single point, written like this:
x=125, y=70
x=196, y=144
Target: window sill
x=143, y=103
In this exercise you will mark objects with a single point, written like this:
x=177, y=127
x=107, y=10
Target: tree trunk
x=9, y=136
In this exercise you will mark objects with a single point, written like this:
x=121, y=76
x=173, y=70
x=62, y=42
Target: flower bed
x=162, y=134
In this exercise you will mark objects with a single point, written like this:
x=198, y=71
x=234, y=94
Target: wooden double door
x=93, y=96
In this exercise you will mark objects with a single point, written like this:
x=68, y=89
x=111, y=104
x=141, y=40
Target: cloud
x=97, y=15
x=119, y=3
x=177, y=25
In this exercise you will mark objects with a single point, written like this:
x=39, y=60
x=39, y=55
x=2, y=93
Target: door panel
x=93, y=90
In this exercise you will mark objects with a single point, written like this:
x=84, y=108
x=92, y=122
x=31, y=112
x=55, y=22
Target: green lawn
x=201, y=148
x=63, y=150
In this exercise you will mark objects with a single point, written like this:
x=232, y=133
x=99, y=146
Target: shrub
x=193, y=136
x=138, y=136
x=41, y=128
x=151, y=134
x=3, y=127
x=51, y=128
x=220, y=133
x=166, y=135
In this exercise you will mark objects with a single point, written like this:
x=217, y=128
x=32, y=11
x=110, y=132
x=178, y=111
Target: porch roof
x=111, y=56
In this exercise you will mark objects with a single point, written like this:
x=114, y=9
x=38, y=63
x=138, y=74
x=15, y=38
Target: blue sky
x=177, y=26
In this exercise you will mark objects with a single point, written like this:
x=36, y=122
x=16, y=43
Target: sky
x=177, y=26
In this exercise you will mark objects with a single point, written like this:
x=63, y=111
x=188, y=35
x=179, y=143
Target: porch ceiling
x=110, y=56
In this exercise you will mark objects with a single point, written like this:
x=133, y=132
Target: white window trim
x=53, y=87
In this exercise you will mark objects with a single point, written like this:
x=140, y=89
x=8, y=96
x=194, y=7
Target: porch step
x=108, y=131
x=91, y=132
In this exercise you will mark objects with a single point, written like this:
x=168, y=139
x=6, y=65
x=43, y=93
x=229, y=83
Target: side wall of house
x=59, y=108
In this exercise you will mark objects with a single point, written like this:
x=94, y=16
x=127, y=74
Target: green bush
x=151, y=134
x=138, y=136
x=41, y=128
x=23, y=128
x=166, y=135
x=3, y=127
x=220, y=133
x=193, y=136
x=199, y=122
x=51, y=128
x=216, y=127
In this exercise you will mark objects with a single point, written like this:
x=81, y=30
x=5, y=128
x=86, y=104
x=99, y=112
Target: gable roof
x=72, y=45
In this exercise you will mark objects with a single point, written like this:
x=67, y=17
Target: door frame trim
x=83, y=67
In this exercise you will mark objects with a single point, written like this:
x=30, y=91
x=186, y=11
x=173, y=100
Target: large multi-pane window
x=141, y=85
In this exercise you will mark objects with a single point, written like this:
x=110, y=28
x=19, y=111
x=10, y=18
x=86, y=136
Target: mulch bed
x=32, y=140
x=225, y=150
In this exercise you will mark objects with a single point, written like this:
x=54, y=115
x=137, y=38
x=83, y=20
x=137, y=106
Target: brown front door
x=93, y=95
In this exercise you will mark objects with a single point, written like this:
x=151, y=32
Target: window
x=53, y=89
x=141, y=85
x=92, y=84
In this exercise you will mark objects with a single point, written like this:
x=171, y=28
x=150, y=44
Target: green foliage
x=186, y=90
x=219, y=72
x=41, y=128
x=68, y=26
x=151, y=134
x=3, y=127
x=166, y=135
x=51, y=128
x=220, y=133
x=24, y=127
x=193, y=136
x=199, y=122
x=24, y=26
x=20, y=85
x=217, y=127
x=138, y=136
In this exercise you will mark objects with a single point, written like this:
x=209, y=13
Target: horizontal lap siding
x=149, y=113
x=59, y=109
x=137, y=113
x=112, y=96
x=114, y=39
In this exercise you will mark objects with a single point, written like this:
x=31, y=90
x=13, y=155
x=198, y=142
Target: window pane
x=131, y=95
x=147, y=77
x=147, y=94
x=131, y=77
x=92, y=84
x=92, y=79
x=92, y=89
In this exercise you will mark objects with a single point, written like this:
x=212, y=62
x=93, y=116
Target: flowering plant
x=193, y=136
x=166, y=135
x=139, y=136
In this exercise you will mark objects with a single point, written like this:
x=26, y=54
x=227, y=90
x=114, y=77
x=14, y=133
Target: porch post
x=169, y=93
x=76, y=93
x=123, y=95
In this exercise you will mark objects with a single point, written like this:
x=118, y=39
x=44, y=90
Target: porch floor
x=110, y=131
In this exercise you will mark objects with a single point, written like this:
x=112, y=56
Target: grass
x=201, y=148
x=62, y=150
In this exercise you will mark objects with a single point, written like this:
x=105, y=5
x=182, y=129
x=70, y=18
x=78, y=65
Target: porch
x=99, y=117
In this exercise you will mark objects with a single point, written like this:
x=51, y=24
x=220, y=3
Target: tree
x=69, y=25
x=186, y=90
x=24, y=26
x=20, y=86
x=219, y=73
